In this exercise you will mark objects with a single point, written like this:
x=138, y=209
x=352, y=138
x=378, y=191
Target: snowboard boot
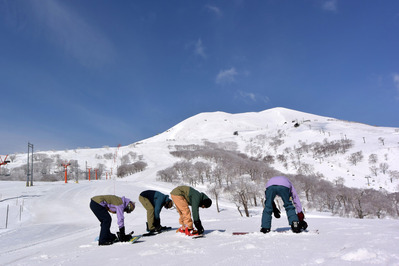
x=295, y=227
x=158, y=229
x=181, y=230
x=106, y=243
x=303, y=225
x=191, y=232
x=112, y=238
x=265, y=230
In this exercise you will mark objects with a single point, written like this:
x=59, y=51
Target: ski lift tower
x=29, y=176
x=66, y=172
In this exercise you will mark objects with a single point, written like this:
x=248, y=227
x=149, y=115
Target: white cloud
x=248, y=95
x=199, y=49
x=226, y=76
x=214, y=10
x=72, y=33
x=330, y=5
x=252, y=97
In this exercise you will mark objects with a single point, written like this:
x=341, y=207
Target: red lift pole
x=3, y=162
x=66, y=166
x=96, y=173
x=89, y=173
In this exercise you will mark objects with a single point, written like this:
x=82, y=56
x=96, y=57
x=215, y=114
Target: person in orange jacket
x=184, y=196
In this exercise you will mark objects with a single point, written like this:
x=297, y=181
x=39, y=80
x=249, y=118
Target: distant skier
x=101, y=205
x=282, y=186
x=183, y=196
x=153, y=201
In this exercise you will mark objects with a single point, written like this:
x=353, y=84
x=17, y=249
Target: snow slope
x=58, y=228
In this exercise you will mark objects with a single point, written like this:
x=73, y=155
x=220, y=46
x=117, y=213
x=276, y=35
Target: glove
x=276, y=211
x=121, y=235
x=199, y=227
x=301, y=216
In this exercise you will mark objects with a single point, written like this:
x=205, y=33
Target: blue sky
x=100, y=73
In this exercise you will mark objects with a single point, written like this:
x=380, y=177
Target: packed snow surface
x=56, y=227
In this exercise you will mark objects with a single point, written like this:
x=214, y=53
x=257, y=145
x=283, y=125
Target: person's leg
x=105, y=222
x=150, y=212
x=285, y=195
x=184, y=211
x=270, y=194
x=175, y=198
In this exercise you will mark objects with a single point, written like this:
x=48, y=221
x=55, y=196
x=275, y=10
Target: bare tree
x=368, y=179
x=358, y=203
x=241, y=192
x=215, y=191
x=356, y=157
x=306, y=169
x=384, y=167
x=374, y=170
x=275, y=142
x=373, y=158
x=394, y=198
x=394, y=174
x=201, y=169
x=339, y=181
x=168, y=174
x=269, y=159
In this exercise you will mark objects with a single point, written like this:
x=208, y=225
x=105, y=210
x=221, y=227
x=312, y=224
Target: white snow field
x=58, y=228
x=50, y=223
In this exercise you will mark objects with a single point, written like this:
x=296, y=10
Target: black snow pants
x=105, y=219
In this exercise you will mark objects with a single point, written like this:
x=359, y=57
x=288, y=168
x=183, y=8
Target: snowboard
x=279, y=231
x=164, y=229
x=197, y=236
x=134, y=239
x=205, y=233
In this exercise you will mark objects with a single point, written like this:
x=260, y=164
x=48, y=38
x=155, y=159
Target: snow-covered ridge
x=218, y=125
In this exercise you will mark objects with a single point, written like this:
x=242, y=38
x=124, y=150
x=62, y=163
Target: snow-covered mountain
x=253, y=133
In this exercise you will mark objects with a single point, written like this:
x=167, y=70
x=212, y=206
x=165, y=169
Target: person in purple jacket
x=101, y=205
x=282, y=186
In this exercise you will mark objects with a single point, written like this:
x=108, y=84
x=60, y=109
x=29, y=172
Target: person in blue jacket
x=153, y=201
x=101, y=205
x=282, y=186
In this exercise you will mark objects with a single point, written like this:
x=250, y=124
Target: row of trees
x=53, y=171
x=242, y=179
x=129, y=169
x=49, y=168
